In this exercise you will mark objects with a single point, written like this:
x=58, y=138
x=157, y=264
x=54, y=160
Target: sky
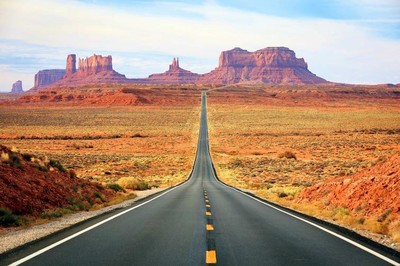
x=348, y=41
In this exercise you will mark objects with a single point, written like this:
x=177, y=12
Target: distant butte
x=47, y=77
x=17, y=87
x=91, y=70
x=174, y=75
x=272, y=65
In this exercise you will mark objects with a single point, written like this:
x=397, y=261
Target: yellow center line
x=207, y=201
x=208, y=213
x=209, y=227
x=208, y=206
x=211, y=257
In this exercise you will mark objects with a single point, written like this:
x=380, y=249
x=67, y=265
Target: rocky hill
x=273, y=65
x=371, y=192
x=30, y=185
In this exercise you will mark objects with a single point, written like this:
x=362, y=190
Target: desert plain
x=282, y=143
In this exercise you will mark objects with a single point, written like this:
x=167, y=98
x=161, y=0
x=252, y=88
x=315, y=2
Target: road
x=199, y=222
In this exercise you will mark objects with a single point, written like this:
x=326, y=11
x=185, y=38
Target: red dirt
x=115, y=95
x=26, y=190
x=370, y=192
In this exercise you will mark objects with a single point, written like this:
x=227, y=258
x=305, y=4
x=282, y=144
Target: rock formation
x=276, y=65
x=174, y=75
x=94, y=64
x=48, y=76
x=71, y=65
x=91, y=70
x=17, y=87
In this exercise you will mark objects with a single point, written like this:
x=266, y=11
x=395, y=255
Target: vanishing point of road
x=202, y=222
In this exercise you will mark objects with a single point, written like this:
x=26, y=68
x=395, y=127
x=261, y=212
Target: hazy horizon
x=342, y=41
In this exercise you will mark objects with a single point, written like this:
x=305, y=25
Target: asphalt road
x=202, y=221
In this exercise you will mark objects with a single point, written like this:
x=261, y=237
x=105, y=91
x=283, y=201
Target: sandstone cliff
x=174, y=75
x=94, y=64
x=275, y=65
x=48, y=76
x=91, y=70
x=17, y=87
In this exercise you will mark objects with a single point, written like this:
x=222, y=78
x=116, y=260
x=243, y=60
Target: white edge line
x=372, y=252
x=43, y=250
x=319, y=227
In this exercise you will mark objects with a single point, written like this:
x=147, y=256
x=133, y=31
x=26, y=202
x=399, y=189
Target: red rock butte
x=91, y=70
x=17, y=87
x=48, y=76
x=272, y=65
x=174, y=75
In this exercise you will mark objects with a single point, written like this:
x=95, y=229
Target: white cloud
x=344, y=51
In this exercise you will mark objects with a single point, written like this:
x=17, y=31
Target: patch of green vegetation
x=7, y=218
x=384, y=215
x=99, y=196
x=42, y=168
x=27, y=156
x=58, y=165
x=116, y=187
x=52, y=214
x=77, y=205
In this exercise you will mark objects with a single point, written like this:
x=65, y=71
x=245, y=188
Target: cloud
x=143, y=37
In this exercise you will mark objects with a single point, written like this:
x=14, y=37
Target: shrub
x=116, y=187
x=288, y=155
x=52, y=214
x=138, y=135
x=8, y=219
x=5, y=157
x=72, y=174
x=282, y=195
x=11, y=158
x=41, y=167
x=384, y=215
x=58, y=165
x=133, y=183
x=76, y=205
x=99, y=196
x=27, y=156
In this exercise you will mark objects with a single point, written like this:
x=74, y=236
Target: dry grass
x=252, y=145
x=154, y=143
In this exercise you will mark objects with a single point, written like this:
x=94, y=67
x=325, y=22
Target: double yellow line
x=211, y=253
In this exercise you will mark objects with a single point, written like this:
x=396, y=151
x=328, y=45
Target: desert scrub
x=5, y=157
x=58, y=165
x=133, y=183
x=11, y=159
x=116, y=187
x=288, y=155
x=7, y=218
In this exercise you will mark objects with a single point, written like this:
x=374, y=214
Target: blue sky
x=352, y=41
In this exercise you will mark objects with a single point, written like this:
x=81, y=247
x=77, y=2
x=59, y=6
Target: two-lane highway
x=202, y=221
